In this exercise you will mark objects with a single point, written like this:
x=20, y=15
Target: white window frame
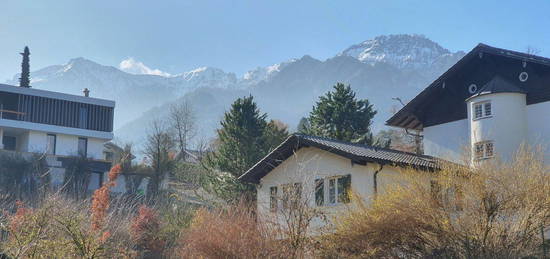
x=486, y=150
x=486, y=110
x=327, y=191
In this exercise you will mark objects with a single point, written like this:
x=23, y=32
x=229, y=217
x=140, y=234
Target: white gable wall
x=538, y=126
x=447, y=140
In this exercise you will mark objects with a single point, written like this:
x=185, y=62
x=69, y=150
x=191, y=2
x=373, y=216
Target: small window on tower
x=478, y=150
x=487, y=108
x=489, y=149
x=482, y=110
x=484, y=150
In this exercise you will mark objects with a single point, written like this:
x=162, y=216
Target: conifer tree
x=340, y=115
x=25, y=79
x=241, y=137
x=245, y=137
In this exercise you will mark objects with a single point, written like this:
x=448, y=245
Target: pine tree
x=339, y=115
x=245, y=137
x=241, y=137
x=25, y=79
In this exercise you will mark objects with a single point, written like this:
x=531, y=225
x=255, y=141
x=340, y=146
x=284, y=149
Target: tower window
x=482, y=110
x=484, y=150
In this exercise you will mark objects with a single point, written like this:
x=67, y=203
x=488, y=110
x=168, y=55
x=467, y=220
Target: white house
x=323, y=171
x=487, y=104
x=58, y=125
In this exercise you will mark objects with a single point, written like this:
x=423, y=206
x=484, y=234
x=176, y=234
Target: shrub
x=145, y=230
x=230, y=233
x=495, y=210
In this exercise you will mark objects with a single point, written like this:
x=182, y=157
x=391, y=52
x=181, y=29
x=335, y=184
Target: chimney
x=86, y=92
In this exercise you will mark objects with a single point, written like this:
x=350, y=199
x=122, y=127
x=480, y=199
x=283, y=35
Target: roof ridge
x=365, y=146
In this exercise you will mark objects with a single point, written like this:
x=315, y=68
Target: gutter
x=375, y=180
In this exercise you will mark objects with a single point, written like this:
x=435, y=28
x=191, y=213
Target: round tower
x=498, y=121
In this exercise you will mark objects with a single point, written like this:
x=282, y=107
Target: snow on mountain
x=208, y=77
x=260, y=74
x=378, y=69
x=404, y=51
x=132, y=66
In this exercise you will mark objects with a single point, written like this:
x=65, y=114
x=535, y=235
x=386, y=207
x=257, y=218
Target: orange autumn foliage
x=100, y=199
x=19, y=216
x=144, y=230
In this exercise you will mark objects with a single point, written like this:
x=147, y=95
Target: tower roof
x=498, y=85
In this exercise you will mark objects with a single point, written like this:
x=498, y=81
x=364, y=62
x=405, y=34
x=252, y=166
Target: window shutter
x=319, y=192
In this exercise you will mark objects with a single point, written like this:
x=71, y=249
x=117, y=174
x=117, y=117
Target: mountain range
x=378, y=69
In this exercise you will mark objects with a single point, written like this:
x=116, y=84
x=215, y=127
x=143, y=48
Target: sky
x=238, y=35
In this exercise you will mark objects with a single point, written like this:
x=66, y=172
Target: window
x=487, y=108
x=332, y=191
x=482, y=110
x=319, y=192
x=273, y=198
x=484, y=150
x=339, y=189
x=489, y=149
x=109, y=156
x=344, y=184
x=83, y=118
x=83, y=147
x=9, y=142
x=52, y=139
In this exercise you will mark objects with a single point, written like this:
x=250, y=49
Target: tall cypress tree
x=25, y=80
x=340, y=115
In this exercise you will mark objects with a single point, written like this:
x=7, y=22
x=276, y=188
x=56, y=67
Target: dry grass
x=493, y=211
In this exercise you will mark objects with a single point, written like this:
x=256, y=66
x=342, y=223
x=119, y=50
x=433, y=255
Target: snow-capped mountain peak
x=265, y=73
x=404, y=51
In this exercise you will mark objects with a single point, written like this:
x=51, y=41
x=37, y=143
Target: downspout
x=375, y=178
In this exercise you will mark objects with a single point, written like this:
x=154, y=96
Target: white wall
x=67, y=145
x=507, y=126
x=512, y=123
x=312, y=163
x=448, y=140
x=538, y=126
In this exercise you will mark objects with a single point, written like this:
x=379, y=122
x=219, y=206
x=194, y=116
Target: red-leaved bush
x=101, y=201
x=19, y=217
x=145, y=230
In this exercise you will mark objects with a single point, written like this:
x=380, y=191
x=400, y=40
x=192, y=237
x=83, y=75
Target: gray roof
x=498, y=85
x=357, y=153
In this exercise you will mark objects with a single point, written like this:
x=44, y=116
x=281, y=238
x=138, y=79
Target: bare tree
x=532, y=50
x=182, y=121
x=159, y=150
x=416, y=135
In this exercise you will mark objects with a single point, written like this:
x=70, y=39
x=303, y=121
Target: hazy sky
x=176, y=36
